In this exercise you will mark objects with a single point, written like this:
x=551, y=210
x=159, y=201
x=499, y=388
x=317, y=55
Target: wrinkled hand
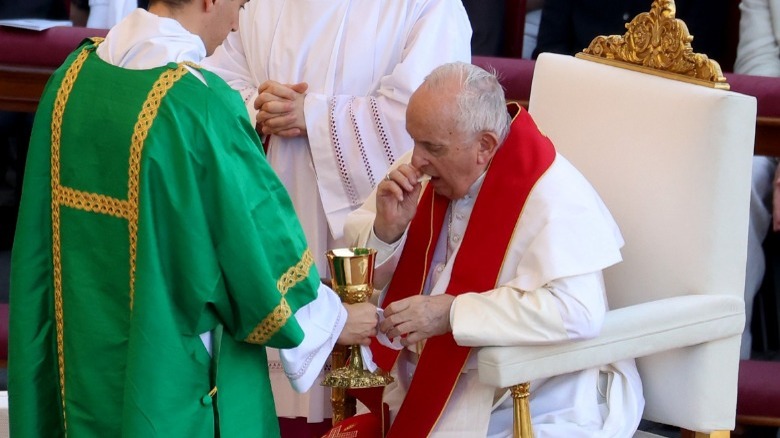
x=361, y=324
x=396, y=202
x=419, y=317
x=281, y=108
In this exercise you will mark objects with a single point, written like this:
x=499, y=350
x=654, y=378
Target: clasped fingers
x=417, y=318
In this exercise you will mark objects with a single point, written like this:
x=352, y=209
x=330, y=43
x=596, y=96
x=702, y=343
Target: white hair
x=481, y=102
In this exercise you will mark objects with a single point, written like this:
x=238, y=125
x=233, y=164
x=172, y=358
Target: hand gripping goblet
x=352, y=277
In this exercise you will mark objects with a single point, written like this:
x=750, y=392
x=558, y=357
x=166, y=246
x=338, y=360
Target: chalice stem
x=355, y=358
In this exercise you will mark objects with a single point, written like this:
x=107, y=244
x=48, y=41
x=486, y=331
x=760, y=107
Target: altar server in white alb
x=505, y=245
x=329, y=81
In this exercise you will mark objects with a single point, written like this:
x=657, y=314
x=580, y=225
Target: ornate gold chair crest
x=657, y=43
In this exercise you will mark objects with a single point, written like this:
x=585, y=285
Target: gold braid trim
x=192, y=64
x=270, y=324
x=282, y=312
x=140, y=132
x=296, y=273
x=93, y=202
x=56, y=135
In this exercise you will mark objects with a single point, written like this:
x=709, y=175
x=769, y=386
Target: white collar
x=144, y=40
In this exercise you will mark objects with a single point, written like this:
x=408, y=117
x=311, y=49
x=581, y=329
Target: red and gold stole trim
x=519, y=163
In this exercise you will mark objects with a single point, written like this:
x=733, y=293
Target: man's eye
x=435, y=149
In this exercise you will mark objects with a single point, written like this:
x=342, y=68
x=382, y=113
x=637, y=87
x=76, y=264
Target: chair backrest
x=672, y=161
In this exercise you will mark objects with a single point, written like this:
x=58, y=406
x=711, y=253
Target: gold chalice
x=352, y=277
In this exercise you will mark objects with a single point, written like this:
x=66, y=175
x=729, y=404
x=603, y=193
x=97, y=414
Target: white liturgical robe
x=104, y=14
x=362, y=59
x=550, y=290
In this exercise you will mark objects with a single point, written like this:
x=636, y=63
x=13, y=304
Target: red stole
x=518, y=164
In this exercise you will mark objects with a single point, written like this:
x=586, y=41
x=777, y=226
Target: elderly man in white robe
x=329, y=81
x=486, y=236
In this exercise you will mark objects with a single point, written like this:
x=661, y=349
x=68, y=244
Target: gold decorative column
x=522, y=410
x=343, y=405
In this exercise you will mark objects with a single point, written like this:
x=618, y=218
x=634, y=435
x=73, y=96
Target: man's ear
x=208, y=5
x=488, y=145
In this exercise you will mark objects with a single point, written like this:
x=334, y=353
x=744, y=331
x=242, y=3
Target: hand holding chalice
x=352, y=278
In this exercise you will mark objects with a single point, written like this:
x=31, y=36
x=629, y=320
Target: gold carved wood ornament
x=658, y=43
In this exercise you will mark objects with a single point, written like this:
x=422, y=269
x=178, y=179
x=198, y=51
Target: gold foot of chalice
x=352, y=277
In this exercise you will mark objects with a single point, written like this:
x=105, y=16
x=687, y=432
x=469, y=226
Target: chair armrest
x=629, y=332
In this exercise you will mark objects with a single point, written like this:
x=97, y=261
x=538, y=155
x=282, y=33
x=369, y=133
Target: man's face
x=441, y=148
x=223, y=21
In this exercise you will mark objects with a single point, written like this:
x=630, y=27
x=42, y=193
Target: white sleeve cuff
x=383, y=249
x=322, y=321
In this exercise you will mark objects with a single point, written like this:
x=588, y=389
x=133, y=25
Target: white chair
x=672, y=161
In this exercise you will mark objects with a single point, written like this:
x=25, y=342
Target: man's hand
x=418, y=318
x=361, y=324
x=281, y=108
x=396, y=202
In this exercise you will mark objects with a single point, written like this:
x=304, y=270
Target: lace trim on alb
x=360, y=143
x=276, y=366
x=346, y=180
x=247, y=93
x=307, y=362
x=381, y=131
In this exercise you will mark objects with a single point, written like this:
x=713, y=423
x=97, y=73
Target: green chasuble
x=149, y=216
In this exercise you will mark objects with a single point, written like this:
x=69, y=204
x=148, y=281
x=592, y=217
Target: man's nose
x=418, y=159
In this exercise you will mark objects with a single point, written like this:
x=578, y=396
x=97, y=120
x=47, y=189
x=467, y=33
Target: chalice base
x=349, y=377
